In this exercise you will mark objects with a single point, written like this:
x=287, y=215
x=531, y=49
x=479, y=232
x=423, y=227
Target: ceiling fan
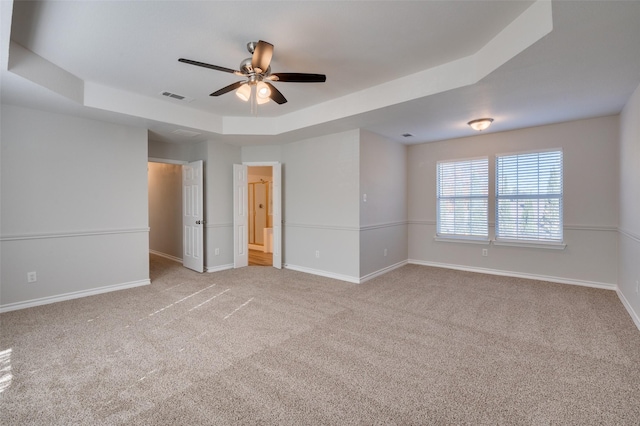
x=257, y=71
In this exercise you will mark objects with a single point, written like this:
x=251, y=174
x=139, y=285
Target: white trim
x=347, y=278
x=460, y=160
x=166, y=256
x=559, y=280
x=219, y=268
x=319, y=226
x=347, y=228
x=422, y=222
x=69, y=234
x=590, y=228
x=382, y=271
x=627, y=305
x=570, y=227
x=383, y=225
x=73, y=295
x=629, y=234
x=166, y=161
x=464, y=240
x=530, y=244
x=533, y=151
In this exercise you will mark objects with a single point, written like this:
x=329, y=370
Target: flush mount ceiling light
x=480, y=124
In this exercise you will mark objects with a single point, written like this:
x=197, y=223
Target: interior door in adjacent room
x=240, y=216
x=192, y=216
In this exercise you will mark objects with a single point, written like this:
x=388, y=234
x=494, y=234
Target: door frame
x=177, y=163
x=277, y=194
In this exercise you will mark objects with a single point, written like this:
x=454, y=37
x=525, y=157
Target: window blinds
x=529, y=196
x=462, y=198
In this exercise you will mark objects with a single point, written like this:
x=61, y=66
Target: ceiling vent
x=407, y=135
x=186, y=133
x=176, y=96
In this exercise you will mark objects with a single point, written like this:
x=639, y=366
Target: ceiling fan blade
x=228, y=88
x=262, y=56
x=275, y=95
x=294, y=77
x=213, y=67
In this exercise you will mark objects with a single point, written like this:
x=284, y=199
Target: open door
x=240, y=217
x=277, y=215
x=192, y=216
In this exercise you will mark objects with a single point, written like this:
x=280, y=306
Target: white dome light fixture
x=480, y=124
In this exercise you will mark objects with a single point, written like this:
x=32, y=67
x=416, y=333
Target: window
x=462, y=198
x=529, y=197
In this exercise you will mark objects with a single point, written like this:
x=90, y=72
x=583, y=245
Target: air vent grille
x=186, y=133
x=176, y=96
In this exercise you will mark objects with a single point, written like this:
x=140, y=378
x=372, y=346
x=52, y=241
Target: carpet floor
x=258, y=345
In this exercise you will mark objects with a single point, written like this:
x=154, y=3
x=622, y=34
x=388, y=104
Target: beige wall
x=74, y=207
x=629, y=249
x=320, y=205
x=383, y=217
x=590, y=203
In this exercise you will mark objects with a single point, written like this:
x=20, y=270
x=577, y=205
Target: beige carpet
x=258, y=345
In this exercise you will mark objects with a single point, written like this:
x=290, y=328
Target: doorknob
x=198, y=222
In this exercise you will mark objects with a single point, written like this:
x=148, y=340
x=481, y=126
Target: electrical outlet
x=32, y=277
x=364, y=198
x=317, y=254
x=217, y=251
x=385, y=252
x=485, y=252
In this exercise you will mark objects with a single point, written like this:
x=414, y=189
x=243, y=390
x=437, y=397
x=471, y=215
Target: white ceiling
x=394, y=67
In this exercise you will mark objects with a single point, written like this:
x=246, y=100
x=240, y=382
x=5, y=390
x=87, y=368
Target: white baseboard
x=321, y=273
x=219, y=268
x=166, y=256
x=383, y=271
x=627, y=305
x=73, y=295
x=605, y=286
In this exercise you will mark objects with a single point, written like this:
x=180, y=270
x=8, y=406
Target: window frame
x=467, y=238
x=530, y=242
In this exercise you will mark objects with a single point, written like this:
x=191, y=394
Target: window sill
x=530, y=244
x=507, y=243
x=464, y=240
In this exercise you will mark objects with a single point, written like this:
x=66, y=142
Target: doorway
x=257, y=218
x=176, y=211
x=260, y=194
x=165, y=210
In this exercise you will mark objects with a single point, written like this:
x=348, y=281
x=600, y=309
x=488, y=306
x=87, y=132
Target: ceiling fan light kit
x=256, y=70
x=244, y=92
x=480, y=124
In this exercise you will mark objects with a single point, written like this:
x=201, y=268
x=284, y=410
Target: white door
x=192, y=218
x=240, y=217
x=277, y=215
